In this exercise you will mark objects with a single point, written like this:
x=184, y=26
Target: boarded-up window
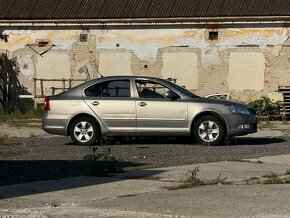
x=182, y=66
x=114, y=63
x=246, y=71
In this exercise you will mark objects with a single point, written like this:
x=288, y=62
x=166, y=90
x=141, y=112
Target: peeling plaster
x=276, y=50
x=18, y=39
x=146, y=43
x=261, y=37
x=63, y=45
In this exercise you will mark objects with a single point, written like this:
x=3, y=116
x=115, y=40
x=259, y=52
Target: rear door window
x=114, y=88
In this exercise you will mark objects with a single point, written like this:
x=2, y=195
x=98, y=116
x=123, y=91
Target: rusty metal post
x=34, y=92
x=41, y=87
x=63, y=84
x=34, y=86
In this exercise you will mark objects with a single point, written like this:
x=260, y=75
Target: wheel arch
x=83, y=115
x=209, y=112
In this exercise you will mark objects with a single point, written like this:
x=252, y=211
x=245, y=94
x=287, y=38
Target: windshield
x=183, y=90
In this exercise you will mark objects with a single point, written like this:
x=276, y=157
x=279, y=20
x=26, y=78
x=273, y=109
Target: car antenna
x=100, y=73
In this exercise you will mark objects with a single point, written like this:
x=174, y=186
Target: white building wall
x=187, y=54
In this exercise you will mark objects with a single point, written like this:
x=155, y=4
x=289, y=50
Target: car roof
x=76, y=90
x=105, y=78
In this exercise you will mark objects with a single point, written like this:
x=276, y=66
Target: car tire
x=84, y=131
x=209, y=130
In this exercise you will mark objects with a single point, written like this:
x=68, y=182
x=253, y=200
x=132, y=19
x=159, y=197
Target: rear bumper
x=54, y=124
x=236, y=121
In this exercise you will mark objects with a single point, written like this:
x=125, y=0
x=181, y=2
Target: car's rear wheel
x=209, y=130
x=84, y=131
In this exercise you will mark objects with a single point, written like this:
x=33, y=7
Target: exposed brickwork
x=84, y=53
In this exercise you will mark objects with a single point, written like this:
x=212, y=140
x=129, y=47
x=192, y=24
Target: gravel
x=38, y=158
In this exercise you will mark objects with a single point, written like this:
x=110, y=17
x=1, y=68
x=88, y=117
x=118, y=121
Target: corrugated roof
x=122, y=9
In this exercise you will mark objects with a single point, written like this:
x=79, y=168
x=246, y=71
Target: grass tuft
x=31, y=113
x=273, y=178
x=192, y=180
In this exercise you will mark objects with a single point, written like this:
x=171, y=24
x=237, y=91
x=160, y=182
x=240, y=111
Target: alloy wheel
x=208, y=131
x=83, y=131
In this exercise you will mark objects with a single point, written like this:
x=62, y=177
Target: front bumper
x=239, y=124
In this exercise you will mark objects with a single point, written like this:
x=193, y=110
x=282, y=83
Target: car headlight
x=235, y=109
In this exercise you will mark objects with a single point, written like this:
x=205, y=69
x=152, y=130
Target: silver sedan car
x=143, y=106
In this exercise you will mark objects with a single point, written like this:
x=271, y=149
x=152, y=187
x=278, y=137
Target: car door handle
x=142, y=104
x=95, y=103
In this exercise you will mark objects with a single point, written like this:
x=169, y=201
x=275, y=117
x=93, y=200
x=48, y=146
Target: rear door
x=113, y=103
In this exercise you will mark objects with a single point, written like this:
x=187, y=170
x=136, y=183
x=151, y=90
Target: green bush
x=266, y=107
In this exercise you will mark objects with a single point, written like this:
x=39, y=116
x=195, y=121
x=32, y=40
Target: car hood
x=217, y=101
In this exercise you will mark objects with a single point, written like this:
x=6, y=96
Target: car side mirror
x=171, y=95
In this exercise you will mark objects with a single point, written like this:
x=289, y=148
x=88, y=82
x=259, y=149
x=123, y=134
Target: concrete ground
x=156, y=192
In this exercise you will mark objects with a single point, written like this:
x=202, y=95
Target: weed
x=253, y=180
x=270, y=175
x=273, y=178
x=218, y=180
x=287, y=180
x=287, y=172
x=102, y=164
x=192, y=180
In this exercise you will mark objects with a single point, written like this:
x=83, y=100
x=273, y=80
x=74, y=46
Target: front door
x=155, y=112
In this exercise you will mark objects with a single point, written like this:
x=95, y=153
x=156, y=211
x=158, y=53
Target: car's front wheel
x=209, y=130
x=84, y=131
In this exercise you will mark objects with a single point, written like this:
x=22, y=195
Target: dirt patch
x=22, y=129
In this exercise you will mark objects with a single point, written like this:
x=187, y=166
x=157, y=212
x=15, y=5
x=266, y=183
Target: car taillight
x=46, y=104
